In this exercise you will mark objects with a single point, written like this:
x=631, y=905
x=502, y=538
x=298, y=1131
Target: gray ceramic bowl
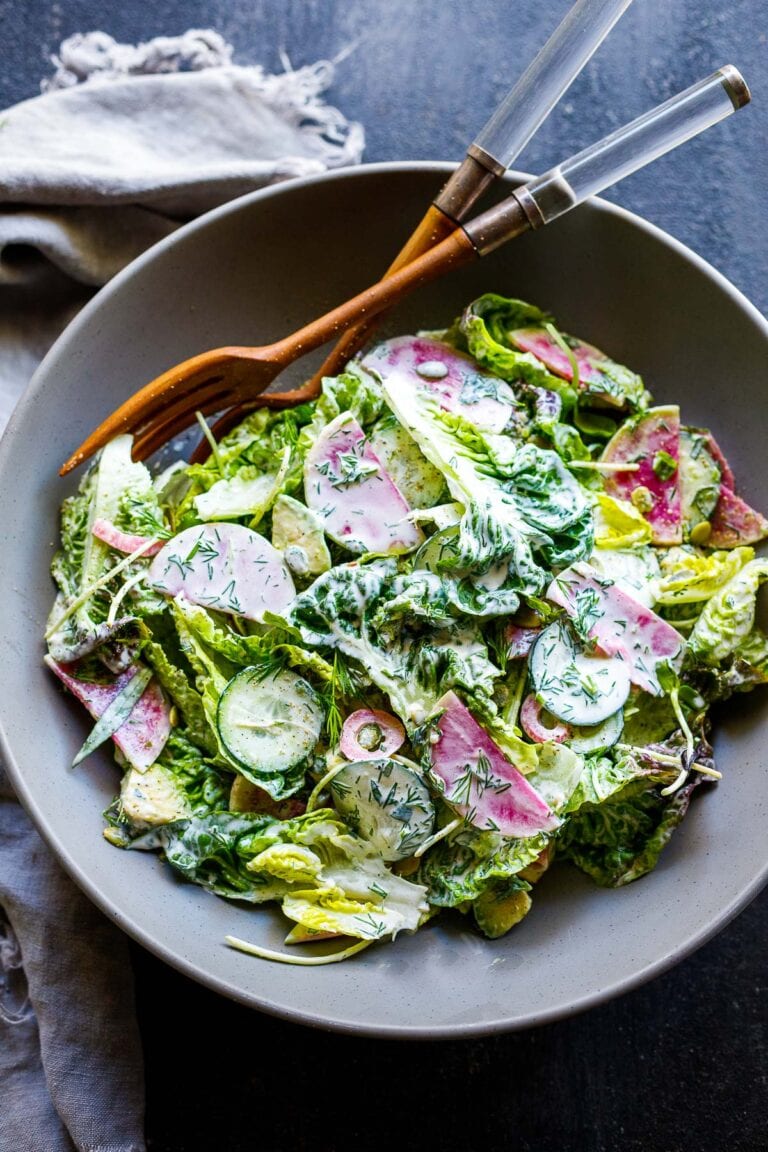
x=248, y=273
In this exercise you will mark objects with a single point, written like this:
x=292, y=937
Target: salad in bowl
x=397, y=650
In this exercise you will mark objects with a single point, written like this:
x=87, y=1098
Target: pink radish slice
x=477, y=779
x=142, y=737
x=226, y=567
x=369, y=732
x=733, y=522
x=455, y=380
x=123, y=541
x=520, y=640
x=640, y=442
x=620, y=625
x=727, y=478
x=534, y=727
x=540, y=344
x=352, y=494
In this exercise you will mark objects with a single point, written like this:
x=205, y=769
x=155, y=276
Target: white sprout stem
x=318, y=788
x=206, y=431
x=98, y=584
x=438, y=836
x=671, y=761
x=603, y=466
x=678, y=783
x=290, y=958
x=563, y=346
x=121, y=594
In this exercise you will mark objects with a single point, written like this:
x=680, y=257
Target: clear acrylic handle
x=529, y=102
x=638, y=143
x=609, y=160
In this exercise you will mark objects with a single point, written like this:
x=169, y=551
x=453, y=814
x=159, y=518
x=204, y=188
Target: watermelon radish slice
x=520, y=640
x=455, y=380
x=477, y=779
x=124, y=541
x=652, y=442
x=141, y=738
x=352, y=494
x=597, y=372
x=226, y=567
x=733, y=522
x=534, y=727
x=727, y=478
x=620, y=625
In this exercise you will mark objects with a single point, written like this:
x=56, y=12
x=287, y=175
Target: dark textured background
x=680, y=1065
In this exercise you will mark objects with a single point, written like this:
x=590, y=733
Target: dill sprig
x=340, y=687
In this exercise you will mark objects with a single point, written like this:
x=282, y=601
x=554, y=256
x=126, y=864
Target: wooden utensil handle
x=434, y=227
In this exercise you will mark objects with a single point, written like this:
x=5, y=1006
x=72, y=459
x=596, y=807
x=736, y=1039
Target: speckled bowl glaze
x=247, y=274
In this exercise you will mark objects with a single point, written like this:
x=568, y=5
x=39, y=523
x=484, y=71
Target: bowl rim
x=89, y=885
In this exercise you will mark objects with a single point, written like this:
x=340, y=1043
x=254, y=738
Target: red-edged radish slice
x=540, y=344
x=124, y=541
x=352, y=494
x=520, y=640
x=651, y=443
x=534, y=727
x=727, y=478
x=620, y=625
x=142, y=737
x=456, y=382
x=226, y=567
x=371, y=733
x=733, y=522
x=478, y=780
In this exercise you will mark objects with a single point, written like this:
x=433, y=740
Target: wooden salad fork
x=226, y=377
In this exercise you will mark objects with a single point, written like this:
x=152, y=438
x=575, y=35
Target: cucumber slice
x=386, y=803
x=268, y=724
x=574, y=685
x=597, y=737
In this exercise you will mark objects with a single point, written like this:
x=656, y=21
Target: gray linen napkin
x=126, y=143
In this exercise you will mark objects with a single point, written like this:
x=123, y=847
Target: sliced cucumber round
x=442, y=546
x=387, y=803
x=597, y=737
x=574, y=685
x=268, y=724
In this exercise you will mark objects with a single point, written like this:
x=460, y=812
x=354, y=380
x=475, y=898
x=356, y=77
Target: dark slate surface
x=679, y=1064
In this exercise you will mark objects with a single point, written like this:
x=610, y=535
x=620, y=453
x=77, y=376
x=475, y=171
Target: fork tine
x=212, y=368
x=153, y=436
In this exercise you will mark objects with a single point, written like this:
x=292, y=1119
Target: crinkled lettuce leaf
x=486, y=325
x=727, y=621
x=412, y=650
x=617, y=841
x=618, y=524
x=465, y=864
x=523, y=508
x=325, y=878
x=691, y=577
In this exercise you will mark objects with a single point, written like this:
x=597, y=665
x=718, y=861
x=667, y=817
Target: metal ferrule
x=501, y=223
x=464, y=188
x=735, y=85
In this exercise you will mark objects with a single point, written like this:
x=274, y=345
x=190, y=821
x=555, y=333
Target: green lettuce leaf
x=411, y=649
x=523, y=508
x=728, y=619
x=326, y=879
x=618, y=841
x=466, y=864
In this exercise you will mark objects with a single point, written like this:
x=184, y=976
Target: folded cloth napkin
x=125, y=144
